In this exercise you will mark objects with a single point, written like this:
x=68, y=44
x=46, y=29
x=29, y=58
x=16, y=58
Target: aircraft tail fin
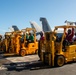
x=36, y=26
x=15, y=28
x=45, y=25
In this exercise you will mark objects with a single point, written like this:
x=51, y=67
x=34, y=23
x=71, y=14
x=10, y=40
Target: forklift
x=29, y=47
x=15, y=43
x=53, y=51
x=5, y=42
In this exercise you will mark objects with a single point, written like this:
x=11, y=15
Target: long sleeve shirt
x=69, y=37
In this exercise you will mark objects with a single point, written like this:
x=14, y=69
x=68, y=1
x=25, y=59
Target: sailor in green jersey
x=31, y=37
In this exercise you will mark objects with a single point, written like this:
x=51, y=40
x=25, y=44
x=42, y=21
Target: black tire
x=59, y=60
x=22, y=52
